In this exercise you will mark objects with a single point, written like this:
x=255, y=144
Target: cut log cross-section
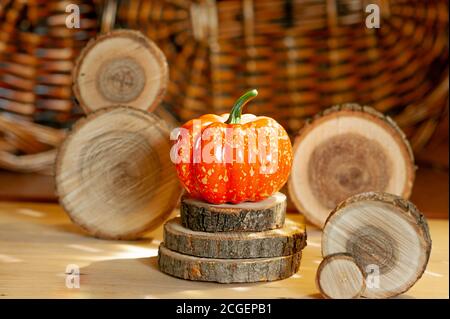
x=347, y=150
x=271, y=243
x=386, y=235
x=248, y=216
x=120, y=67
x=339, y=277
x=114, y=176
x=227, y=270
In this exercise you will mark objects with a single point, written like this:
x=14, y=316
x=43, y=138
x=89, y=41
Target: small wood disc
x=114, y=176
x=386, y=235
x=227, y=270
x=248, y=216
x=339, y=277
x=120, y=67
x=270, y=243
x=347, y=150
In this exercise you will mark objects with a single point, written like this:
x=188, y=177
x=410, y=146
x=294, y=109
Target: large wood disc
x=271, y=243
x=339, y=277
x=114, y=176
x=120, y=67
x=386, y=235
x=248, y=216
x=227, y=270
x=347, y=150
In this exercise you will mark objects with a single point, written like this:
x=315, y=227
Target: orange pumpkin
x=232, y=158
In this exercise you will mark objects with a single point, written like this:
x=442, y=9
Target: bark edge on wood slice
x=114, y=177
x=120, y=67
x=248, y=216
x=339, y=277
x=346, y=150
x=385, y=234
x=227, y=270
x=235, y=245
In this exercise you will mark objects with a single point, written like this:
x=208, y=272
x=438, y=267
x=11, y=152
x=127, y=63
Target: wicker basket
x=37, y=53
x=302, y=56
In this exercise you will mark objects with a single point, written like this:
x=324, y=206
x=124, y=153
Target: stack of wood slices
x=230, y=243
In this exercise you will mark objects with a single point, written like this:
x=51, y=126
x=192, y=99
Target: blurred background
x=303, y=56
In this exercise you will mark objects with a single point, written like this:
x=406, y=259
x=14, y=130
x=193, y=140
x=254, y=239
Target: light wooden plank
x=35, y=251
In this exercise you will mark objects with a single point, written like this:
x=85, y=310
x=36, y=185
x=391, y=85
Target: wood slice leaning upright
x=387, y=237
x=339, y=277
x=346, y=150
x=120, y=67
x=114, y=176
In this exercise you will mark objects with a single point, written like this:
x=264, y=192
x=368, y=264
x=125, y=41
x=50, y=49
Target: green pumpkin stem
x=236, y=111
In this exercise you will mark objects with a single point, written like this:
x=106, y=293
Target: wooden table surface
x=38, y=242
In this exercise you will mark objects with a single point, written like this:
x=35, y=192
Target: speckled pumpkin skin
x=235, y=181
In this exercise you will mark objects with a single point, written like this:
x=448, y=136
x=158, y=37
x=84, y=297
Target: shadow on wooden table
x=143, y=278
x=71, y=229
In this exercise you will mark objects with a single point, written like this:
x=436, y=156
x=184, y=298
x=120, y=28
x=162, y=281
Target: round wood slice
x=249, y=216
x=270, y=243
x=227, y=270
x=339, y=277
x=347, y=150
x=114, y=176
x=386, y=235
x=120, y=67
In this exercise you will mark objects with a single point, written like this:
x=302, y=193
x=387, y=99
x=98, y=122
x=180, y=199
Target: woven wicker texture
x=37, y=53
x=302, y=56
